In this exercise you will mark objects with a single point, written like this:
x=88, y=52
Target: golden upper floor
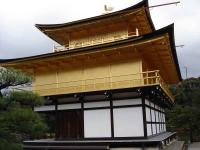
x=132, y=21
x=133, y=62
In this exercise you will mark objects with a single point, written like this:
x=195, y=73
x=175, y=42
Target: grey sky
x=19, y=37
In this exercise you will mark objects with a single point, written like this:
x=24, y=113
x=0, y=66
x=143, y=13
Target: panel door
x=69, y=124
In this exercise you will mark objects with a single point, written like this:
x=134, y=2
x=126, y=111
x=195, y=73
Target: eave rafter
x=155, y=48
x=135, y=17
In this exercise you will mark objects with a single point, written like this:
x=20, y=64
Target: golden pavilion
x=106, y=84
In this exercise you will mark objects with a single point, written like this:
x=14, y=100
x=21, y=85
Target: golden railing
x=105, y=83
x=95, y=41
x=154, y=77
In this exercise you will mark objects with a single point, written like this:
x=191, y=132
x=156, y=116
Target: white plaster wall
x=164, y=129
x=163, y=117
x=147, y=102
x=158, y=129
x=128, y=122
x=149, y=130
x=158, y=116
x=127, y=102
x=69, y=106
x=97, y=123
x=45, y=108
x=153, y=115
x=154, y=128
x=148, y=114
x=96, y=104
x=156, y=113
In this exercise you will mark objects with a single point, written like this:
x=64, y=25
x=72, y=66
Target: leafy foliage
x=12, y=77
x=18, y=121
x=23, y=124
x=22, y=98
x=185, y=116
x=5, y=145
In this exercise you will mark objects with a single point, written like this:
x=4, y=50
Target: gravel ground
x=194, y=146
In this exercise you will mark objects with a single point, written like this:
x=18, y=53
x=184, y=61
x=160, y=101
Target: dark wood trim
x=100, y=100
x=66, y=147
x=151, y=121
x=115, y=138
x=115, y=99
x=56, y=118
x=127, y=106
x=97, y=108
x=112, y=143
x=69, y=109
x=153, y=135
x=82, y=112
x=144, y=117
x=159, y=120
x=113, y=107
x=112, y=118
x=154, y=105
x=161, y=100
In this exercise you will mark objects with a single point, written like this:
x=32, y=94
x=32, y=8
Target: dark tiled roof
x=143, y=3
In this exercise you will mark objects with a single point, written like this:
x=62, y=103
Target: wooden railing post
x=111, y=82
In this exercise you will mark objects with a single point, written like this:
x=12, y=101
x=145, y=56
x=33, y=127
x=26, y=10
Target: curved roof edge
x=173, y=47
x=168, y=29
x=143, y=3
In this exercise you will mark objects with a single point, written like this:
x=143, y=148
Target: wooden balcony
x=96, y=40
x=147, y=78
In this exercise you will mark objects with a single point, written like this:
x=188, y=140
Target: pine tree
x=18, y=121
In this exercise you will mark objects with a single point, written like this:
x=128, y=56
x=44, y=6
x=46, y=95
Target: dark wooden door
x=69, y=124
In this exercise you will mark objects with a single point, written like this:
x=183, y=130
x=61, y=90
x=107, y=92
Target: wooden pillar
x=82, y=118
x=56, y=118
x=111, y=117
x=144, y=116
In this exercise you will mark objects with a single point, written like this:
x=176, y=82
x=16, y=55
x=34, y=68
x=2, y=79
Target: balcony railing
x=147, y=78
x=94, y=41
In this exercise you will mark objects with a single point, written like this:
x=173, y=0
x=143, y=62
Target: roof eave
x=168, y=29
x=141, y=4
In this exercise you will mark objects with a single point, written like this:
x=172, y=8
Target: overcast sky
x=20, y=38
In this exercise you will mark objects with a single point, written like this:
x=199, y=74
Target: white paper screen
x=96, y=104
x=97, y=123
x=148, y=114
x=127, y=102
x=128, y=122
x=154, y=128
x=149, y=130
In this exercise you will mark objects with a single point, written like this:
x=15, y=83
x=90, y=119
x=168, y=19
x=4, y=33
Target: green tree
x=184, y=117
x=18, y=121
x=13, y=78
